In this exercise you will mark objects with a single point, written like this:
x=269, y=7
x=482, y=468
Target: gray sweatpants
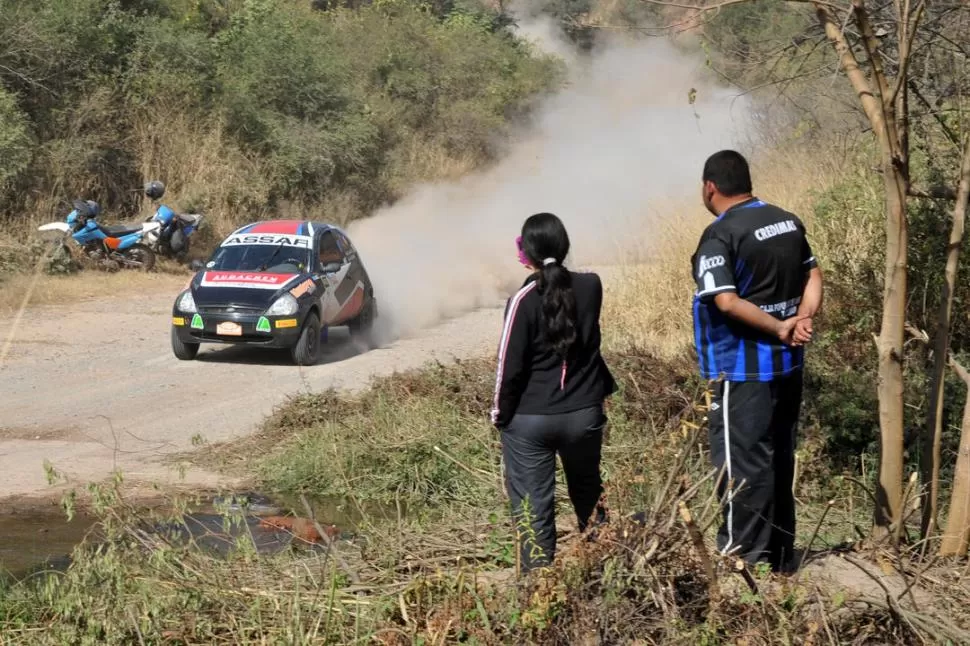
x=529, y=447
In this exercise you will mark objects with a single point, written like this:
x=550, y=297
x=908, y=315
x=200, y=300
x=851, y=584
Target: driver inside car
x=329, y=251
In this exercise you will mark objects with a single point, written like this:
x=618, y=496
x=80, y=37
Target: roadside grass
x=88, y=284
x=437, y=564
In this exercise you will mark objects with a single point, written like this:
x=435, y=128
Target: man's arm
x=714, y=273
x=751, y=315
x=811, y=295
x=811, y=301
x=809, y=307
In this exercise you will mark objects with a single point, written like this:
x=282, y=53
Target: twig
x=811, y=541
x=862, y=486
x=698, y=540
x=889, y=597
x=931, y=625
x=901, y=522
x=742, y=569
x=911, y=584
x=484, y=476
x=134, y=623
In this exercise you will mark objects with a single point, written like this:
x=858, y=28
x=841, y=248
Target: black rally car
x=277, y=284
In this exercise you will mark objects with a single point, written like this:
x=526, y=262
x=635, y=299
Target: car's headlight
x=186, y=303
x=285, y=305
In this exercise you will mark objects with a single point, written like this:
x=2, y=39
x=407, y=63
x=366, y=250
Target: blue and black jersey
x=760, y=252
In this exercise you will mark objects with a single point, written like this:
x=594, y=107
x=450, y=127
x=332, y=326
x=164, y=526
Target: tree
x=877, y=48
x=956, y=538
x=933, y=436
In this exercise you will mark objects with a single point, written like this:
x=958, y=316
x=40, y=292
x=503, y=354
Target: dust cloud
x=617, y=155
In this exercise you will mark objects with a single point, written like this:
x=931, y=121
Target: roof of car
x=282, y=227
x=288, y=227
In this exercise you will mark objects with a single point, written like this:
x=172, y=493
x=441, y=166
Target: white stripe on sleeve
x=504, y=345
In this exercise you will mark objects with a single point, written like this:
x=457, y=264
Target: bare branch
x=947, y=131
x=702, y=7
x=933, y=192
x=850, y=65
x=958, y=368
x=906, y=45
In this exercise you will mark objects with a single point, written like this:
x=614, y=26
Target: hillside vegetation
x=249, y=107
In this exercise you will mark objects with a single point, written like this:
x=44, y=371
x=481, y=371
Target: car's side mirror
x=331, y=267
x=196, y=265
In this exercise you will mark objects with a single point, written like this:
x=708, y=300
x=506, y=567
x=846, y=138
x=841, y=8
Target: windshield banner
x=245, y=279
x=306, y=242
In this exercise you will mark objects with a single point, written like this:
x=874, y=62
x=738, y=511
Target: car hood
x=247, y=288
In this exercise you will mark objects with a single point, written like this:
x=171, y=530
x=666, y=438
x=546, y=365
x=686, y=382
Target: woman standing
x=550, y=387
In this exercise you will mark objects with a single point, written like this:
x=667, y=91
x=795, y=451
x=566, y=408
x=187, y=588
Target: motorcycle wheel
x=138, y=257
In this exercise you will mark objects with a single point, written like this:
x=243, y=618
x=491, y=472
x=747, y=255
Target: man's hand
x=786, y=331
x=752, y=315
x=803, y=331
x=795, y=330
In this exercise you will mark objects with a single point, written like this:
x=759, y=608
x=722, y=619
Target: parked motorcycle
x=113, y=247
x=175, y=229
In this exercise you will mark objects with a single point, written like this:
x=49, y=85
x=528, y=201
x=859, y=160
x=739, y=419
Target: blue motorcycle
x=175, y=229
x=110, y=247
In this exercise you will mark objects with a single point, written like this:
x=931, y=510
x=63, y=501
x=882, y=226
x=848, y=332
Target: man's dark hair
x=729, y=171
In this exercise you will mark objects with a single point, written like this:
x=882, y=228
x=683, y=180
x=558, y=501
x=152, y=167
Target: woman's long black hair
x=546, y=244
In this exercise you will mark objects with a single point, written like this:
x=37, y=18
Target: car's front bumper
x=254, y=329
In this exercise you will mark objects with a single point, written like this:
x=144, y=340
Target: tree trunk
x=879, y=102
x=933, y=433
x=957, y=534
x=889, y=492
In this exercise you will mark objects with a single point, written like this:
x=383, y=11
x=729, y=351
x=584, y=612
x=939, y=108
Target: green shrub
x=849, y=237
x=250, y=105
x=16, y=142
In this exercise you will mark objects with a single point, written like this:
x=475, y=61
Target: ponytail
x=545, y=245
x=557, y=318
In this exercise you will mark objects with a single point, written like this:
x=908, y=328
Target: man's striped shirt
x=760, y=252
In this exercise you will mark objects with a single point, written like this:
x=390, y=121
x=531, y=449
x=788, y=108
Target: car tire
x=364, y=322
x=183, y=351
x=306, y=352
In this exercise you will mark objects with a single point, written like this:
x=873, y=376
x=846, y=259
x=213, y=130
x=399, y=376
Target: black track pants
x=529, y=447
x=752, y=436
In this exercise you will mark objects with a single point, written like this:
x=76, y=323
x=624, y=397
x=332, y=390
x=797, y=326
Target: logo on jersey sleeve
x=707, y=264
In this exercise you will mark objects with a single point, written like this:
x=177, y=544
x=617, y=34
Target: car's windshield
x=264, y=253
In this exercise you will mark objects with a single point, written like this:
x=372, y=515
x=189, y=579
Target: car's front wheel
x=307, y=349
x=182, y=350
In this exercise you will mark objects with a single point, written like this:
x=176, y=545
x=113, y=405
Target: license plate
x=229, y=329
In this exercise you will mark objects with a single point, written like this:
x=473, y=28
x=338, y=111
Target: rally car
x=278, y=284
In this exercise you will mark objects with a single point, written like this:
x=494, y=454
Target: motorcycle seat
x=189, y=218
x=120, y=230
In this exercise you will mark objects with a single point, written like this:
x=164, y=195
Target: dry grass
x=57, y=290
x=648, y=301
x=202, y=171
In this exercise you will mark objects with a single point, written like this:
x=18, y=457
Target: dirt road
x=92, y=386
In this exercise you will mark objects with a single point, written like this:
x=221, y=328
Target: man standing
x=758, y=287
